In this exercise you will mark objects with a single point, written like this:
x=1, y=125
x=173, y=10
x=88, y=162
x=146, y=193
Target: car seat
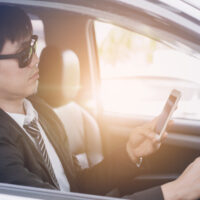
x=82, y=129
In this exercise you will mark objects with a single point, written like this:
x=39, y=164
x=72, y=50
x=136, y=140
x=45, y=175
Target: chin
x=33, y=90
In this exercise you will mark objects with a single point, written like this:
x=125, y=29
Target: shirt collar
x=22, y=119
x=19, y=118
x=31, y=113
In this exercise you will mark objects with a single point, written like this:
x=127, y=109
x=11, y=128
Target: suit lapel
x=18, y=135
x=61, y=149
x=20, y=132
x=56, y=136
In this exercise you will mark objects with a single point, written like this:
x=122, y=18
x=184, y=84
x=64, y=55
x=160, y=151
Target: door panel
x=137, y=74
x=180, y=148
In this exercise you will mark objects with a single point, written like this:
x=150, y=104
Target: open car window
x=38, y=29
x=138, y=73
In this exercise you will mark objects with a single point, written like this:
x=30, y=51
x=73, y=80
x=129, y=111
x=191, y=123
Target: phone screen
x=164, y=116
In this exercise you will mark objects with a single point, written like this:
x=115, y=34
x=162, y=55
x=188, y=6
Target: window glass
x=138, y=73
x=38, y=29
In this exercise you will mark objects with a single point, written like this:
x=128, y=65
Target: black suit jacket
x=20, y=162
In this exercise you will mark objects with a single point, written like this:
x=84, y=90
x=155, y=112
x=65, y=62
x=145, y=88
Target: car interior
x=70, y=84
x=81, y=128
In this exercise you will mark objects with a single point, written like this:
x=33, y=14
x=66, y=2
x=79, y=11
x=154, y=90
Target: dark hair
x=15, y=24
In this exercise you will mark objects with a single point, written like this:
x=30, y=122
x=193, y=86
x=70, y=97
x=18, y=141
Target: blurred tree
x=121, y=44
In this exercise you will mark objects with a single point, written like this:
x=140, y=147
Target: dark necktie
x=34, y=131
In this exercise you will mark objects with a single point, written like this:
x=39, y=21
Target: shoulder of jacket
x=9, y=129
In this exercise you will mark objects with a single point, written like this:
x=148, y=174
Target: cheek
x=9, y=65
x=11, y=74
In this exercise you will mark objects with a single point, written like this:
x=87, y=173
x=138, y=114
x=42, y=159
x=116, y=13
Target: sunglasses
x=24, y=57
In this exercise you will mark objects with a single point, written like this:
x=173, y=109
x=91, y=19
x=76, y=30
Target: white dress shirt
x=21, y=120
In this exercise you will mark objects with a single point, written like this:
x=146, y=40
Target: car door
x=136, y=75
x=16, y=192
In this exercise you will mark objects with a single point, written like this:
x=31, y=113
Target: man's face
x=15, y=82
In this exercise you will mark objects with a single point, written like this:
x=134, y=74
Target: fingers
x=131, y=153
x=144, y=140
x=144, y=143
x=136, y=138
x=152, y=123
x=171, y=122
x=145, y=132
x=146, y=148
x=154, y=137
x=164, y=136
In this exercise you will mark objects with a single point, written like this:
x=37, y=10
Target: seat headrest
x=50, y=81
x=59, y=80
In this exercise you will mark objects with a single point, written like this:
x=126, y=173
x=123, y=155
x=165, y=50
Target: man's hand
x=187, y=186
x=143, y=141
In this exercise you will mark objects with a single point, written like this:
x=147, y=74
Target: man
x=33, y=144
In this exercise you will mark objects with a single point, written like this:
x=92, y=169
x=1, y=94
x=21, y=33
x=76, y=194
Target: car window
x=38, y=29
x=138, y=73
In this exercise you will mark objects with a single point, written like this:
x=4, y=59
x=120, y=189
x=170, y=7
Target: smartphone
x=169, y=108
